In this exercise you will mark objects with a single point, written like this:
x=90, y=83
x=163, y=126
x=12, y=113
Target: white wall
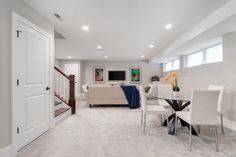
x=62, y=64
x=222, y=73
x=6, y=6
x=148, y=70
x=57, y=63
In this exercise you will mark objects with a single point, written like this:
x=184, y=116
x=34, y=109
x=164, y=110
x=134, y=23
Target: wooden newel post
x=72, y=94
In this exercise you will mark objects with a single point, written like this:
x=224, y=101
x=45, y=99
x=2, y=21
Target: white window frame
x=203, y=56
x=172, y=68
x=204, y=50
x=212, y=61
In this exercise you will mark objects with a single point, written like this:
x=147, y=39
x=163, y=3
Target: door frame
x=14, y=19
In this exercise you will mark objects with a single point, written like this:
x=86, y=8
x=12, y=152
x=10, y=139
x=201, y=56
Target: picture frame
x=98, y=74
x=135, y=75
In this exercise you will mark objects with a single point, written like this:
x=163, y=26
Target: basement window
x=171, y=65
x=207, y=55
x=214, y=54
x=195, y=59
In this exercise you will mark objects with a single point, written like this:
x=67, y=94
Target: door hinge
x=17, y=130
x=18, y=33
x=18, y=82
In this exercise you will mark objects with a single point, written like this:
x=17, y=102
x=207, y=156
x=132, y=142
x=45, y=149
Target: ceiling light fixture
x=151, y=46
x=142, y=56
x=99, y=47
x=168, y=26
x=106, y=57
x=85, y=28
x=69, y=57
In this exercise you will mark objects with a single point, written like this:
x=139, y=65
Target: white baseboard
x=228, y=123
x=5, y=152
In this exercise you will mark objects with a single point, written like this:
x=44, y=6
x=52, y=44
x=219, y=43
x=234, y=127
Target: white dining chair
x=85, y=88
x=219, y=104
x=164, y=90
x=203, y=111
x=149, y=109
x=85, y=92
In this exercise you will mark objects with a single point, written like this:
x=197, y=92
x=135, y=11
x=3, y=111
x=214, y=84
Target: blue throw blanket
x=132, y=95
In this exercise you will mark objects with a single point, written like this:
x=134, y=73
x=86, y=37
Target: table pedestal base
x=171, y=129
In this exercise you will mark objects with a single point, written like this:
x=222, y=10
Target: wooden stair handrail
x=72, y=93
x=71, y=102
x=61, y=72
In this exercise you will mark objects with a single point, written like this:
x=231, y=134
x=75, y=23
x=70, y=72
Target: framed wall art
x=98, y=74
x=135, y=75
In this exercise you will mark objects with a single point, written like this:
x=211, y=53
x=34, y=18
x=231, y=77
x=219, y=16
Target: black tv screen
x=116, y=75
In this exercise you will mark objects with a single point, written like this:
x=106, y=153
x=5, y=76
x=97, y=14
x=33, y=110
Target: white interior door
x=31, y=69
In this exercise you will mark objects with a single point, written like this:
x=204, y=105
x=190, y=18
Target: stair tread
x=60, y=111
x=57, y=103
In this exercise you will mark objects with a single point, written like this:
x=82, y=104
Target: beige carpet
x=116, y=132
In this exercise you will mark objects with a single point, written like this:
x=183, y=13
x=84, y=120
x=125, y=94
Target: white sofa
x=106, y=95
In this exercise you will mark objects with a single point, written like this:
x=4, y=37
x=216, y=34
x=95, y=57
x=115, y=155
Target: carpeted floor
x=116, y=132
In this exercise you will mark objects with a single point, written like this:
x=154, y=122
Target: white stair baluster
x=60, y=85
x=57, y=83
x=64, y=88
x=68, y=91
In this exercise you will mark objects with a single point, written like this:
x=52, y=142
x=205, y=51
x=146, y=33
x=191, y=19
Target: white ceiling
x=210, y=37
x=124, y=28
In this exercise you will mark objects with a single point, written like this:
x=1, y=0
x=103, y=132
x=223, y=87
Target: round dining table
x=177, y=103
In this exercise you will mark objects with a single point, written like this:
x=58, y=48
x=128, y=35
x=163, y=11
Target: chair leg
x=198, y=129
x=221, y=121
x=216, y=135
x=161, y=118
x=144, y=123
x=190, y=145
x=141, y=117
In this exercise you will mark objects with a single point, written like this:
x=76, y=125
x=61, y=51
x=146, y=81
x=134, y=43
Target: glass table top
x=172, y=97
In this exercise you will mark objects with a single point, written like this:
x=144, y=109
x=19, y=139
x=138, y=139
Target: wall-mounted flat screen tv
x=116, y=75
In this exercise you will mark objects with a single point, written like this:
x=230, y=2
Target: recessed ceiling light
x=151, y=46
x=106, y=57
x=99, y=47
x=142, y=56
x=85, y=28
x=69, y=57
x=168, y=26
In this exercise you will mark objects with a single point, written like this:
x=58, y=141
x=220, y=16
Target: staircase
x=64, y=86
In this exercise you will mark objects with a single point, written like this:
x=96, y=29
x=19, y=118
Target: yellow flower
x=171, y=77
x=173, y=74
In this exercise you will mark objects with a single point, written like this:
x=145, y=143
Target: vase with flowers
x=172, y=79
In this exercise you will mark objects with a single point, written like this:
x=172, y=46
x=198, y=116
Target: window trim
x=171, y=61
x=204, y=50
x=202, y=62
x=216, y=45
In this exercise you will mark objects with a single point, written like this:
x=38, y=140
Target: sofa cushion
x=108, y=92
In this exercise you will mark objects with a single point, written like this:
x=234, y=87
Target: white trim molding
x=6, y=152
x=228, y=123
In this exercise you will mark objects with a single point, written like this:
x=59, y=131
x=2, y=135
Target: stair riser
x=62, y=116
x=60, y=106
